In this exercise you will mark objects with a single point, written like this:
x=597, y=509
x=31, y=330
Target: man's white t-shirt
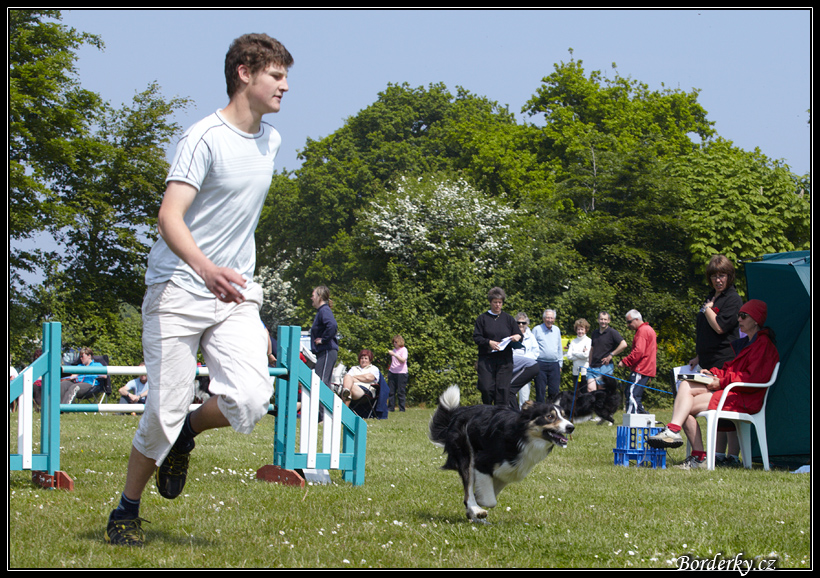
x=137, y=387
x=232, y=172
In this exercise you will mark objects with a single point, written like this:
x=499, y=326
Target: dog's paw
x=476, y=514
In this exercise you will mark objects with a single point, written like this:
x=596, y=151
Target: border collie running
x=492, y=446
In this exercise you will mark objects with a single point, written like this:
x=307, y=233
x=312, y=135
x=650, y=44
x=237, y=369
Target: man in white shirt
x=136, y=390
x=550, y=357
x=201, y=293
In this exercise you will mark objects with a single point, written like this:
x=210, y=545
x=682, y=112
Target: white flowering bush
x=279, y=295
x=439, y=215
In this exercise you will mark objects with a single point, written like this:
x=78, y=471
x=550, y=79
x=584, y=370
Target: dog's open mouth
x=557, y=438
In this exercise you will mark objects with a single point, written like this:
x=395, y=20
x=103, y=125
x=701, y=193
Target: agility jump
x=298, y=396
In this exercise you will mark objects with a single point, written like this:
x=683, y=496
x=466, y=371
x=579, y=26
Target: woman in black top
x=715, y=329
x=495, y=357
x=716, y=324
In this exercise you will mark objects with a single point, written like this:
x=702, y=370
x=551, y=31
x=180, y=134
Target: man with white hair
x=550, y=357
x=641, y=360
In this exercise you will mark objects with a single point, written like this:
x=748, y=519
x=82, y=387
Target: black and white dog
x=580, y=407
x=492, y=446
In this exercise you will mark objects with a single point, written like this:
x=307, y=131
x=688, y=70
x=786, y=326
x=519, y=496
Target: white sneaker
x=665, y=439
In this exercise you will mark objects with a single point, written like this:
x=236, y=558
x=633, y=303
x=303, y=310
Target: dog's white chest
x=531, y=454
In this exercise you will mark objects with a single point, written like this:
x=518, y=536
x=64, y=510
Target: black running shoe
x=172, y=473
x=125, y=532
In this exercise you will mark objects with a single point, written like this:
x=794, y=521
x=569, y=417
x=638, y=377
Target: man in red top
x=641, y=360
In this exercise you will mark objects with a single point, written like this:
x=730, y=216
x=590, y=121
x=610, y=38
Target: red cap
x=757, y=309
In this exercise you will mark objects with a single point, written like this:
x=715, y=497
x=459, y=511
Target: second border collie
x=585, y=405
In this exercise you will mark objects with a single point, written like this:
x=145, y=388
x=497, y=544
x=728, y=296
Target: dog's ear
x=527, y=405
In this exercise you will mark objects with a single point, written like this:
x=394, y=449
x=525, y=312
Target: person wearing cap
x=754, y=363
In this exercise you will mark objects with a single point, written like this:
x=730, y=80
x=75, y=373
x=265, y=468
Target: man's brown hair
x=257, y=52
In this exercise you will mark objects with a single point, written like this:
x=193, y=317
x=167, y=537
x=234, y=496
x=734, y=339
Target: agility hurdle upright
x=344, y=437
x=299, y=392
x=45, y=466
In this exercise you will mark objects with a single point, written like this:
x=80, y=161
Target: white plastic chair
x=742, y=423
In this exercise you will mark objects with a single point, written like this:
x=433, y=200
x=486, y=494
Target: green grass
x=575, y=510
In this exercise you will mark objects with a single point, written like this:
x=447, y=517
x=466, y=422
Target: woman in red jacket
x=754, y=363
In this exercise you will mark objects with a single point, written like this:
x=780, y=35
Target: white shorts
x=177, y=323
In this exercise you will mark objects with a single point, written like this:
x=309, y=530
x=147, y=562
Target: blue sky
x=753, y=67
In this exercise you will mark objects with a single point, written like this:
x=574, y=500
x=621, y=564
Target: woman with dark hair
x=494, y=332
x=716, y=324
x=715, y=329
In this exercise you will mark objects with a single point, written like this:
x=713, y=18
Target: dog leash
x=589, y=369
x=627, y=381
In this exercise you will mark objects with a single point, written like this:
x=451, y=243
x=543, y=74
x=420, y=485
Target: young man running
x=200, y=292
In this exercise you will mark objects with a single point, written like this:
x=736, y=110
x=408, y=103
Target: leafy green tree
x=103, y=215
x=109, y=203
x=418, y=263
x=91, y=176
x=586, y=112
x=614, y=141
x=405, y=132
x=598, y=207
x=742, y=204
x=48, y=113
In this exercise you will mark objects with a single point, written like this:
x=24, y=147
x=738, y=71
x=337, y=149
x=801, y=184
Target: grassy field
x=576, y=510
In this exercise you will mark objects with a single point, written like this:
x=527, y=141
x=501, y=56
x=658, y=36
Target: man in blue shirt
x=550, y=357
x=80, y=386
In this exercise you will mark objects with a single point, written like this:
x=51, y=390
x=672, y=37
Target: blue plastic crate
x=647, y=457
x=634, y=438
x=633, y=445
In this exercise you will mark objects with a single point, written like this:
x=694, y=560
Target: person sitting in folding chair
x=755, y=361
x=361, y=380
x=85, y=386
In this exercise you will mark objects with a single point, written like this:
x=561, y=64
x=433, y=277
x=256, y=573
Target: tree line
x=610, y=196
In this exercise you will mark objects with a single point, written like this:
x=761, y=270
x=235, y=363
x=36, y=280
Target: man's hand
x=224, y=282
